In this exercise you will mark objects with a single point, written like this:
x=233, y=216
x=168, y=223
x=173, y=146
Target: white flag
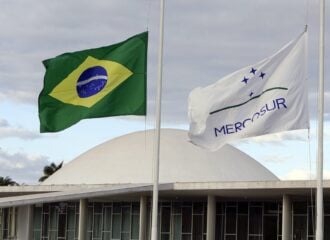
x=269, y=96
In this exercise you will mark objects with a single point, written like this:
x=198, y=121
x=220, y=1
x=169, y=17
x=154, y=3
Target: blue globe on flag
x=91, y=81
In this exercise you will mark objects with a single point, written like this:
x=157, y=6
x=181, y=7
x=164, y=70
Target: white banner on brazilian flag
x=267, y=97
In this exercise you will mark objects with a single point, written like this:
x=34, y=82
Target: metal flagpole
x=319, y=190
x=157, y=134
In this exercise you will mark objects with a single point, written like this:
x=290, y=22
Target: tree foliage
x=7, y=181
x=50, y=170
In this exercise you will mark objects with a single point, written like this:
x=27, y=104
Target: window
x=248, y=220
x=180, y=220
x=56, y=221
x=105, y=221
x=8, y=218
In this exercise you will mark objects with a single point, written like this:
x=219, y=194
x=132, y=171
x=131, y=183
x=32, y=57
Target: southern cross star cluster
x=254, y=73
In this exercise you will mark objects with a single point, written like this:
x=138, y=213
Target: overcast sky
x=204, y=40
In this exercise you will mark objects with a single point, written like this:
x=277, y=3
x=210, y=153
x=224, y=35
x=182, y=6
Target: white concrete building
x=106, y=194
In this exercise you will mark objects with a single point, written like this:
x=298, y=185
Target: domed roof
x=128, y=159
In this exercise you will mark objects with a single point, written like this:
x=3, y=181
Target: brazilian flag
x=93, y=83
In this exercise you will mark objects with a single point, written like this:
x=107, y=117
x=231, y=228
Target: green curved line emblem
x=255, y=97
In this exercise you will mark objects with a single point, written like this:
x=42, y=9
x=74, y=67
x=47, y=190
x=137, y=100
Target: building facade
x=106, y=193
x=184, y=219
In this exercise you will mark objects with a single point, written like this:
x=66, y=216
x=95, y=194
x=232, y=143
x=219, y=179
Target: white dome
x=128, y=159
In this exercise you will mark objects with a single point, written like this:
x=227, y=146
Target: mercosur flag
x=267, y=97
x=100, y=82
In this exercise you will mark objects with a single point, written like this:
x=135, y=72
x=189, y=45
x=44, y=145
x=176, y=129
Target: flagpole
x=158, y=121
x=319, y=190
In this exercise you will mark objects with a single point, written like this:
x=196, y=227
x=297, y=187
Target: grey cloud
x=278, y=138
x=303, y=174
x=22, y=167
x=203, y=41
x=327, y=117
x=8, y=131
x=313, y=101
x=216, y=49
x=3, y=123
x=326, y=132
x=48, y=29
x=276, y=159
x=19, y=96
